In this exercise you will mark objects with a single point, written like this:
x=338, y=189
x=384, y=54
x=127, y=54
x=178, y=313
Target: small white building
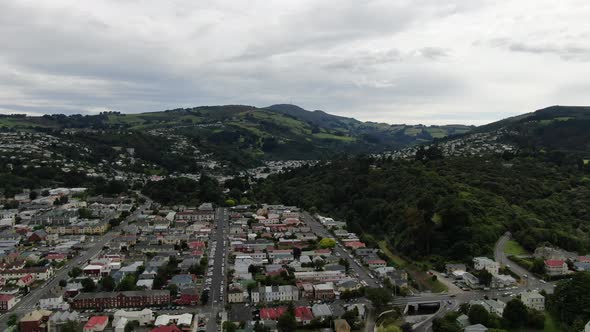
x=143, y=317
x=481, y=263
x=533, y=300
x=54, y=303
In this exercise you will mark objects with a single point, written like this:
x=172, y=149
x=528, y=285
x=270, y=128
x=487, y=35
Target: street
x=216, y=293
x=358, y=268
x=29, y=301
x=531, y=281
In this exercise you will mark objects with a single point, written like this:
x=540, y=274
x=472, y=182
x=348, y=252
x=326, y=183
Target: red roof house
x=169, y=328
x=96, y=324
x=272, y=313
x=354, y=244
x=303, y=315
x=25, y=280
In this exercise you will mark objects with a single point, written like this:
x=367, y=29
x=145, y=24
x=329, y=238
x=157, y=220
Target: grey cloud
x=565, y=52
x=372, y=59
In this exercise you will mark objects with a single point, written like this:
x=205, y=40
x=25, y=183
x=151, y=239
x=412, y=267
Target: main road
x=216, y=294
x=320, y=230
x=29, y=301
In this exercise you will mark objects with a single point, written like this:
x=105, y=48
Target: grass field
x=398, y=261
x=550, y=324
x=513, y=248
x=423, y=279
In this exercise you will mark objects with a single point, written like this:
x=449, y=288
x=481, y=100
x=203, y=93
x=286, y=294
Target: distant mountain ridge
x=246, y=133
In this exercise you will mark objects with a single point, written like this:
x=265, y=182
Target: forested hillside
x=455, y=207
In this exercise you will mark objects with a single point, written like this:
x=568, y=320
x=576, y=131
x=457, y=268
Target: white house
x=54, y=303
x=481, y=263
x=143, y=317
x=275, y=293
x=533, y=300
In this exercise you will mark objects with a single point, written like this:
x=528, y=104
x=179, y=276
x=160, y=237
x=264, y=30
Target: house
x=171, y=328
x=587, y=327
x=54, y=303
x=471, y=280
x=484, y=263
x=272, y=313
x=143, y=317
x=321, y=310
x=37, y=236
x=303, y=315
x=463, y=321
x=324, y=292
x=341, y=325
x=183, y=281
x=556, y=267
x=582, y=266
x=35, y=321
x=376, y=263
x=183, y=320
x=533, y=300
x=275, y=293
x=26, y=280
x=235, y=294
x=450, y=268
x=476, y=328
x=188, y=296
x=58, y=319
x=96, y=324
x=7, y=302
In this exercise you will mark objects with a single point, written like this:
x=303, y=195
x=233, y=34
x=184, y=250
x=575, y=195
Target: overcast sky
x=411, y=61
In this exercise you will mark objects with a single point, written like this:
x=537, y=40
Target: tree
x=445, y=325
x=173, y=290
x=75, y=272
x=327, y=243
x=12, y=320
x=71, y=326
x=131, y=326
x=229, y=327
x=478, y=315
x=515, y=313
x=351, y=316
x=204, y=297
x=484, y=276
x=378, y=297
x=535, y=319
x=127, y=283
x=33, y=195
x=88, y=285
x=538, y=266
x=344, y=262
x=407, y=327
x=571, y=299
x=287, y=322
x=107, y=284
x=63, y=283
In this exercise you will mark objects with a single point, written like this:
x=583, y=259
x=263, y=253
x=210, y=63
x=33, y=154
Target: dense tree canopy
x=455, y=207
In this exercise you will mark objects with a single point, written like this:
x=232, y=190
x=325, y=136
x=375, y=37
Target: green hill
x=243, y=135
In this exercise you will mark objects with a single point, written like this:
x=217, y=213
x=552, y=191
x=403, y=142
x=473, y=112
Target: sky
x=393, y=61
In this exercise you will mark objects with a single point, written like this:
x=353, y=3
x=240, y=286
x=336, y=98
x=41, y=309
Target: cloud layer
x=410, y=61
